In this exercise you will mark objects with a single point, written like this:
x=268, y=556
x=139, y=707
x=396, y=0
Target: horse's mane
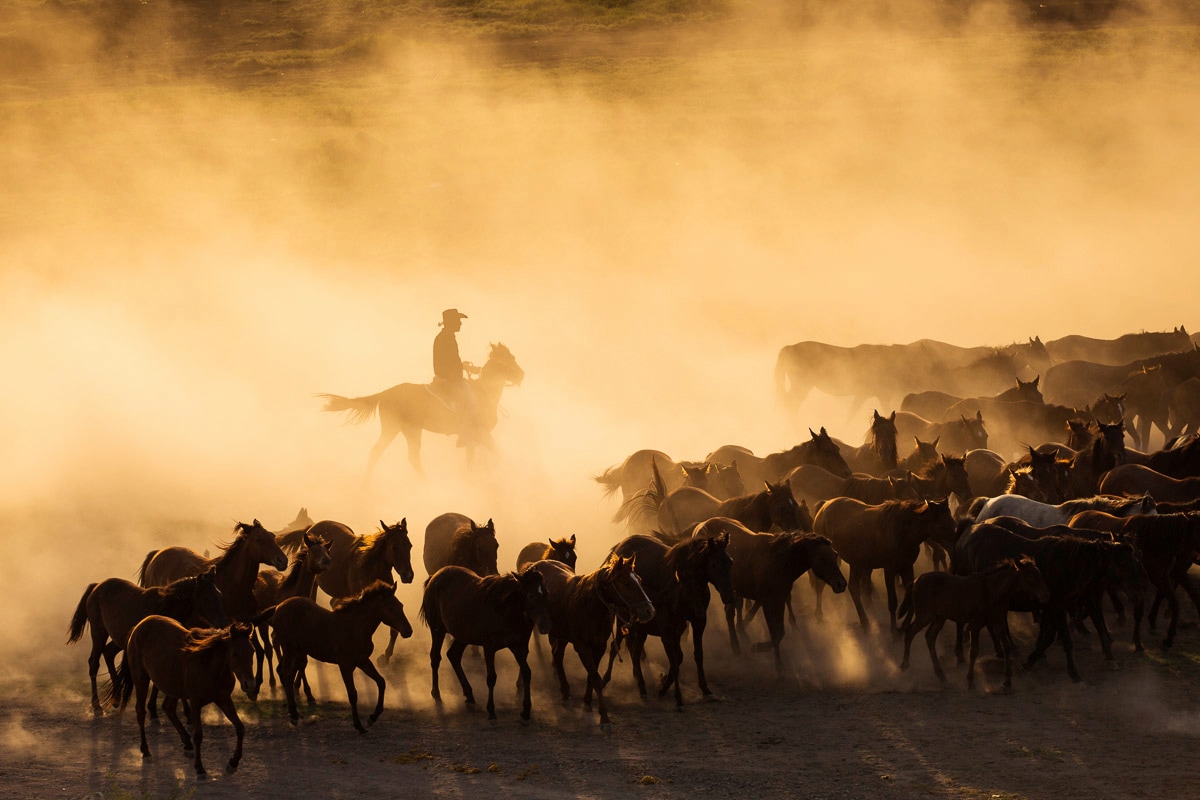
x=685, y=552
x=230, y=549
x=498, y=588
x=1100, y=503
x=1026, y=471
x=781, y=544
x=1177, y=524
x=201, y=639
x=294, y=571
x=467, y=535
x=349, y=604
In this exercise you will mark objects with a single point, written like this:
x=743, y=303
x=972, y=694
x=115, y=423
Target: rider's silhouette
x=449, y=381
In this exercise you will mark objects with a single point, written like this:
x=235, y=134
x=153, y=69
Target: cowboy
x=449, y=381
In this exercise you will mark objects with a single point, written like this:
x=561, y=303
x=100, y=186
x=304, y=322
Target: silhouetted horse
x=273, y=587
x=1134, y=479
x=558, y=550
x=765, y=566
x=582, y=611
x=633, y=475
x=975, y=601
x=676, y=579
x=879, y=454
x=455, y=539
x=356, y=561
x=409, y=408
x=343, y=636
x=196, y=665
x=1120, y=350
x=497, y=612
x=954, y=436
x=113, y=607
x=773, y=507
x=1179, y=461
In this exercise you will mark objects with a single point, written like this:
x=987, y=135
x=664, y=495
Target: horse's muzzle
x=838, y=587
x=406, y=576
x=250, y=687
x=644, y=612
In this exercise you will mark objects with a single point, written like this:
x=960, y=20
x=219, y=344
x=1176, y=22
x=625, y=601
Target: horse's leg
x=454, y=655
x=1173, y=605
x=1064, y=631
x=227, y=708
x=170, y=706
x=287, y=678
x=98, y=649
x=380, y=687
x=521, y=653
x=1152, y=617
x=976, y=635
x=391, y=646
x=197, y=735
x=387, y=432
x=269, y=653
x=435, y=658
x=558, y=649
x=489, y=661
x=818, y=586
x=889, y=580
x=856, y=581
x=347, y=671
x=698, y=626
x=1093, y=607
x=773, y=616
x=260, y=654
x=588, y=689
x=141, y=686
x=636, y=642
x=413, y=437
x=958, y=643
x=613, y=651
x=1047, y=628
x=733, y=637
x=931, y=636
x=674, y=660
x=152, y=704
x=912, y=627
x=591, y=663
x=744, y=619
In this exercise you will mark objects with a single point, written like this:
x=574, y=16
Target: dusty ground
x=870, y=731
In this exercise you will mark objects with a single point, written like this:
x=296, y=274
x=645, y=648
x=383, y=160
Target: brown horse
x=820, y=450
x=558, y=550
x=113, y=607
x=975, y=601
x=236, y=568
x=955, y=436
x=342, y=636
x=496, y=612
x=456, y=539
x=582, y=611
x=633, y=475
x=356, y=562
x=410, y=408
x=196, y=665
x=273, y=587
x=879, y=454
x=676, y=580
x=887, y=536
x=764, y=568
x=1134, y=479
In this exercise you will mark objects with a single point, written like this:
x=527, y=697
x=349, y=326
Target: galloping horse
x=410, y=408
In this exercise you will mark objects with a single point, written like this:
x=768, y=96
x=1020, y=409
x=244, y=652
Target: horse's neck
x=236, y=574
x=488, y=389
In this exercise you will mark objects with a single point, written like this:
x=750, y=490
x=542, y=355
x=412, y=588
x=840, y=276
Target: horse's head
x=1113, y=436
x=726, y=479
x=316, y=554
x=536, y=599
x=1022, y=482
x=202, y=594
x=261, y=547
x=502, y=364
x=976, y=432
x=1029, y=579
x=399, y=548
x=783, y=508
x=883, y=436
x=1035, y=353
x=485, y=547
x=826, y=453
x=563, y=550
x=240, y=657
x=937, y=522
x=621, y=585
x=1028, y=391
x=1046, y=476
x=1078, y=435
x=390, y=609
x=957, y=480
x=823, y=561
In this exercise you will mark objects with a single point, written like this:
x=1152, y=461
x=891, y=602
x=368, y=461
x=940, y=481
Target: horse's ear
x=491, y=526
x=823, y=433
x=404, y=524
x=935, y=442
x=257, y=524
x=810, y=433
x=979, y=415
x=767, y=485
x=572, y=540
x=876, y=416
x=1036, y=379
x=551, y=541
x=382, y=525
x=892, y=418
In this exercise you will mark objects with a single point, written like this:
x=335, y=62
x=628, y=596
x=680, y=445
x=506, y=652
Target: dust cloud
x=189, y=257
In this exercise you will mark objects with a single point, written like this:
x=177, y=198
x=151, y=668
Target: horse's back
x=650, y=555
x=171, y=564
x=813, y=484
x=155, y=649
x=684, y=508
x=438, y=535
x=534, y=551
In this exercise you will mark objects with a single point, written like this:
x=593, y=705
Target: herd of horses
x=1061, y=530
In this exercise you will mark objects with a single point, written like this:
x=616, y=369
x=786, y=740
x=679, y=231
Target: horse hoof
x=361, y=730
x=201, y=776
x=903, y=666
x=231, y=767
x=607, y=727
x=491, y=716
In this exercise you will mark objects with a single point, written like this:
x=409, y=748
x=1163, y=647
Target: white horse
x=1043, y=515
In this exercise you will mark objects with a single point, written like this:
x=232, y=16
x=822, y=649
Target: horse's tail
x=361, y=409
x=141, y=573
x=431, y=613
x=79, y=621
x=610, y=479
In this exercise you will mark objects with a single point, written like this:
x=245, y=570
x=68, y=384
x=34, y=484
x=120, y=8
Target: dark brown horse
x=765, y=566
x=273, y=587
x=887, y=536
x=879, y=454
x=456, y=539
x=954, y=436
x=1134, y=479
x=773, y=507
x=557, y=550
x=113, y=607
x=356, y=562
x=196, y=665
x=1145, y=344
x=410, y=408
x=676, y=580
x=633, y=475
x=976, y=601
x=582, y=611
x=343, y=636
x=496, y=612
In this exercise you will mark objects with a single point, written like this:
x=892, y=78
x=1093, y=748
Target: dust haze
x=186, y=261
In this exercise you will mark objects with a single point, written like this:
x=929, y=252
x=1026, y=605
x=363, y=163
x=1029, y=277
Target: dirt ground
x=842, y=722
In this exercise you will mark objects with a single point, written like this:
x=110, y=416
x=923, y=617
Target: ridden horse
x=886, y=536
x=1134, y=479
x=496, y=612
x=456, y=539
x=879, y=454
x=196, y=665
x=820, y=450
x=273, y=587
x=583, y=609
x=676, y=580
x=113, y=607
x=410, y=408
x=1042, y=515
x=356, y=562
x=1167, y=545
x=975, y=601
x=1076, y=571
x=343, y=636
x=558, y=550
